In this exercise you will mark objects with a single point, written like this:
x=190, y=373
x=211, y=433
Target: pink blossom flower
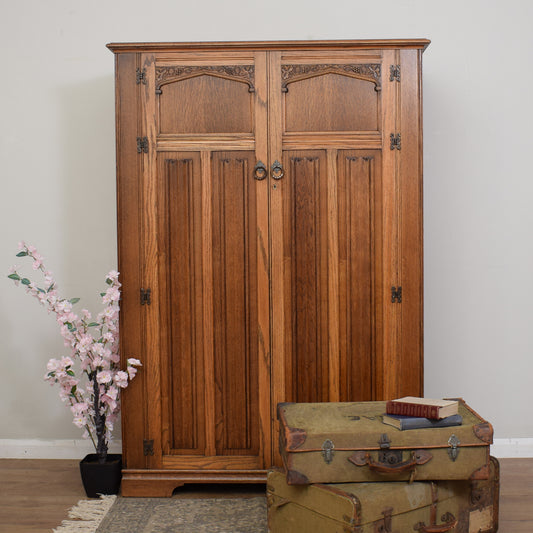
x=84, y=343
x=38, y=261
x=112, y=295
x=63, y=306
x=109, y=401
x=79, y=421
x=113, y=276
x=66, y=362
x=104, y=377
x=53, y=365
x=121, y=379
x=79, y=408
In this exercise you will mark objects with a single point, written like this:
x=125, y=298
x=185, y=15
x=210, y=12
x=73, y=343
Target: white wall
x=58, y=192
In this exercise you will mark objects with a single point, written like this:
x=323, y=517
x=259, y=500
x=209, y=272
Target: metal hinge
x=395, y=141
x=148, y=447
x=396, y=295
x=394, y=73
x=142, y=145
x=145, y=297
x=140, y=76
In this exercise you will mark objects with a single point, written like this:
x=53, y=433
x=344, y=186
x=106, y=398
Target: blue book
x=416, y=422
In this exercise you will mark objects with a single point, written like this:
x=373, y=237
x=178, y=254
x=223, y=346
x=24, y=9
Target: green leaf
x=22, y=254
x=109, y=281
x=73, y=390
x=25, y=281
x=14, y=276
x=71, y=373
x=92, y=324
x=74, y=300
x=102, y=294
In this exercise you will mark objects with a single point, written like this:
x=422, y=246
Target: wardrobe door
x=343, y=231
x=206, y=261
x=326, y=224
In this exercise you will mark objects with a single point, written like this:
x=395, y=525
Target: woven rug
x=187, y=515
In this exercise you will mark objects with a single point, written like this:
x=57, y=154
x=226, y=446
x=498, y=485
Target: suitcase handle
x=418, y=457
x=450, y=520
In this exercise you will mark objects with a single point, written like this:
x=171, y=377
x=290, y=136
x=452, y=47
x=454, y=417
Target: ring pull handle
x=418, y=457
x=260, y=171
x=276, y=170
x=449, y=523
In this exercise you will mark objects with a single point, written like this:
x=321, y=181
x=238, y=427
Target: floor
x=36, y=494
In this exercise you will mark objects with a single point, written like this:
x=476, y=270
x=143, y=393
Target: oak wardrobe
x=270, y=243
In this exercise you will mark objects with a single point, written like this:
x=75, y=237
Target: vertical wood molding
x=410, y=236
x=207, y=289
x=278, y=262
x=387, y=368
x=333, y=277
x=263, y=261
x=129, y=203
x=150, y=274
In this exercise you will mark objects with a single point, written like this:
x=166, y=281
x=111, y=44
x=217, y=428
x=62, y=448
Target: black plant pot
x=101, y=478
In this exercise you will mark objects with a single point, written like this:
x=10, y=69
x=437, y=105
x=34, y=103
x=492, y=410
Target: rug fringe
x=86, y=515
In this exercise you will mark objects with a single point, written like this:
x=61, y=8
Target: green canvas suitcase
x=388, y=507
x=348, y=442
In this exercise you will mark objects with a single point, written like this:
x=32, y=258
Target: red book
x=422, y=407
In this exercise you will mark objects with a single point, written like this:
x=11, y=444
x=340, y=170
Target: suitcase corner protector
x=484, y=432
x=296, y=478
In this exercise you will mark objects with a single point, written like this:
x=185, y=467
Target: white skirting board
x=77, y=449
x=50, y=449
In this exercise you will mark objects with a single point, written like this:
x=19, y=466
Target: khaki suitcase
x=348, y=442
x=388, y=507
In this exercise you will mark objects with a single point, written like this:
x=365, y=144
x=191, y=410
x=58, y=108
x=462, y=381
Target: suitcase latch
x=386, y=455
x=327, y=451
x=453, y=450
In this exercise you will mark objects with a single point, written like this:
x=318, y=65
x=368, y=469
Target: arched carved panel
x=369, y=72
x=326, y=100
x=205, y=100
x=241, y=73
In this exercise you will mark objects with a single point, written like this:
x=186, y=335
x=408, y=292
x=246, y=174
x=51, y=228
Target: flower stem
x=99, y=422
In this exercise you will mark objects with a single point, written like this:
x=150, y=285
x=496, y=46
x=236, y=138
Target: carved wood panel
x=234, y=256
x=305, y=251
x=359, y=212
x=182, y=300
x=205, y=103
x=329, y=301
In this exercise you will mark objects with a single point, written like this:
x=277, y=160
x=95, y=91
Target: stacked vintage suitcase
x=347, y=471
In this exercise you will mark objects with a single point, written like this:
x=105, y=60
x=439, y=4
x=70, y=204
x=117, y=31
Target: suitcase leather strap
x=418, y=457
x=449, y=523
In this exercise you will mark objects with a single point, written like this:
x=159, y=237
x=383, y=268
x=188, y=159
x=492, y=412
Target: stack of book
x=418, y=413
